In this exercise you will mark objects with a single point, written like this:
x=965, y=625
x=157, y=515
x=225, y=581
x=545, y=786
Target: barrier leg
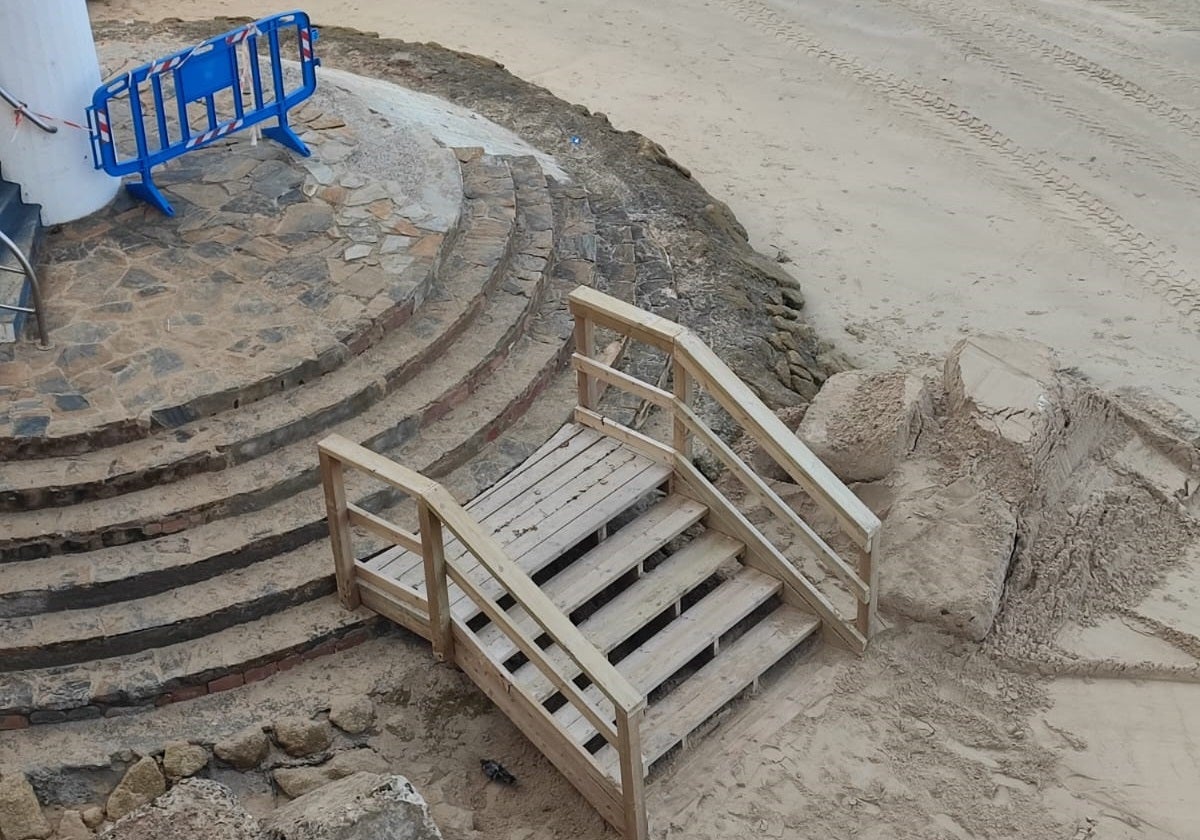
x=283, y=135
x=148, y=192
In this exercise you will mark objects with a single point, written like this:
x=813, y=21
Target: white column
x=48, y=60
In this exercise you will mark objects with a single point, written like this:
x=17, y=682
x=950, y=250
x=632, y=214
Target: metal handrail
x=34, y=286
x=21, y=108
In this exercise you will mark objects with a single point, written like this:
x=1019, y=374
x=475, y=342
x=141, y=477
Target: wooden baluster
x=633, y=773
x=585, y=345
x=685, y=392
x=869, y=572
x=433, y=554
x=333, y=480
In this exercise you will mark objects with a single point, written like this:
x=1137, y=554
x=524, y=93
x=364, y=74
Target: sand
x=932, y=168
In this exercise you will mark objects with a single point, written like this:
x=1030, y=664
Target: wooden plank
x=685, y=391
x=537, y=658
x=511, y=518
x=751, y=480
x=392, y=589
x=627, y=613
x=865, y=620
x=337, y=511
x=761, y=554
x=380, y=526
x=805, y=468
x=707, y=691
x=602, y=565
x=643, y=444
x=372, y=463
x=607, y=311
x=627, y=383
x=433, y=553
x=393, y=610
x=681, y=641
x=525, y=592
x=537, y=725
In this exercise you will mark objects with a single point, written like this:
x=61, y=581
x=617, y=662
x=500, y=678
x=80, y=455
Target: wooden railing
x=430, y=616
x=694, y=366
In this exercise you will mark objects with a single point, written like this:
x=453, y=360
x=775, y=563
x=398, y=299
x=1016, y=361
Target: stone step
x=487, y=450
x=144, y=514
x=470, y=268
x=143, y=569
x=183, y=670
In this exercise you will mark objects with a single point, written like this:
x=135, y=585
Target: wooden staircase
x=606, y=595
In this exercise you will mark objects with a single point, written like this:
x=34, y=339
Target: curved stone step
x=253, y=649
x=143, y=569
x=470, y=268
x=148, y=513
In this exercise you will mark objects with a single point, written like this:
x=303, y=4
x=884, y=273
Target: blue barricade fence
x=199, y=95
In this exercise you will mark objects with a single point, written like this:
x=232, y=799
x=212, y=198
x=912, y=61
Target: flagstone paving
x=274, y=270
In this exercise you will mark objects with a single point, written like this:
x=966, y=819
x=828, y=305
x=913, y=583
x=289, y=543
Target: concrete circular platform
x=275, y=269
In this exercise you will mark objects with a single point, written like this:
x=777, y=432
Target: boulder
x=943, y=556
x=863, y=422
x=71, y=827
x=297, y=781
x=20, y=812
x=244, y=750
x=364, y=806
x=352, y=714
x=1008, y=385
x=300, y=736
x=93, y=816
x=141, y=784
x=182, y=759
x=193, y=808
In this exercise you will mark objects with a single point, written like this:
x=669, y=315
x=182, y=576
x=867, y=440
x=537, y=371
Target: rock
x=193, y=808
x=943, y=556
x=141, y=784
x=93, y=816
x=244, y=750
x=862, y=423
x=364, y=806
x=300, y=736
x=1008, y=385
x=297, y=781
x=352, y=714
x=350, y=762
x=20, y=812
x=181, y=760
x=72, y=827
x=650, y=150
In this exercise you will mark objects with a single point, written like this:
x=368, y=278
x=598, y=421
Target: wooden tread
x=706, y=692
x=681, y=641
x=602, y=566
x=627, y=613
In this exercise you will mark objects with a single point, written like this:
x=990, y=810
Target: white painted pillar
x=48, y=60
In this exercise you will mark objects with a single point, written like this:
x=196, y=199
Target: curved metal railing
x=35, y=289
x=23, y=109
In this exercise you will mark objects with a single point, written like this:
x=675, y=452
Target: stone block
x=300, y=736
x=181, y=760
x=364, y=806
x=352, y=714
x=244, y=750
x=193, y=808
x=20, y=812
x=142, y=783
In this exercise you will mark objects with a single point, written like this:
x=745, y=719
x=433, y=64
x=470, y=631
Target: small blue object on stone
x=154, y=127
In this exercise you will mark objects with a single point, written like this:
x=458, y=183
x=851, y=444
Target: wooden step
x=710, y=689
x=634, y=608
x=602, y=566
x=696, y=630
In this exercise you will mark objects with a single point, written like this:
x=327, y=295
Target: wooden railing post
x=633, y=773
x=869, y=572
x=585, y=345
x=334, y=482
x=434, y=556
x=685, y=392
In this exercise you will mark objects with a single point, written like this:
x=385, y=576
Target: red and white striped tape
x=102, y=126
x=20, y=115
x=306, y=50
x=242, y=34
x=167, y=64
x=209, y=136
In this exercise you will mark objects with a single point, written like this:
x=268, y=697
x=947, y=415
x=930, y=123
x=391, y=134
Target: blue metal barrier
x=211, y=76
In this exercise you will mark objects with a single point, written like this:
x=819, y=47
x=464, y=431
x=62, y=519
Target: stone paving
x=274, y=270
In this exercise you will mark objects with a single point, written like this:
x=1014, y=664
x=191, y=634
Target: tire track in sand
x=1150, y=263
